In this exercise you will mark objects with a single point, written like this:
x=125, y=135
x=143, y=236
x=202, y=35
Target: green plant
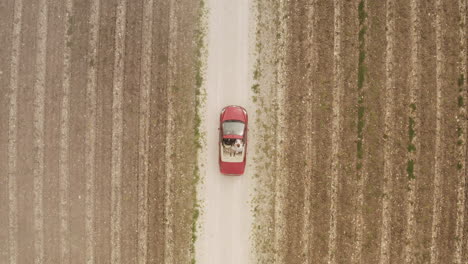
x=199, y=100
x=410, y=169
x=256, y=88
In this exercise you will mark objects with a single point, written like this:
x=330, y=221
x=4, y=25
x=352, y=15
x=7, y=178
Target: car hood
x=234, y=113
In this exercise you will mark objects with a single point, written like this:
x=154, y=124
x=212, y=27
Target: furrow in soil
x=461, y=135
x=336, y=127
x=425, y=134
x=130, y=130
x=348, y=143
x=413, y=161
x=399, y=135
x=373, y=131
x=388, y=169
x=117, y=131
x=12, y=132
x=437, y=196
x=25, y=143
x=39, y=94
x=143, y=136
x=169, y=172
x=63, y=159
x=157, y=131
x=449, y=141
x=90, y=144
x=6, y=31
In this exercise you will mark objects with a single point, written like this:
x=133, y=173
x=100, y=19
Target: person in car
x=238, y=146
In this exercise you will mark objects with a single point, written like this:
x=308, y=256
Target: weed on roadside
x=200, y=98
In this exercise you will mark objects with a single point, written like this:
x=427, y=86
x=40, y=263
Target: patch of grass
x=198, y=136
x=259, y=47
x=359, y=149
x=460, y=101
x=410, y=169
x=359, y=165
x=196, y=214
x=360, y=114
x=413, y=107
x=278, y=35
x=459, y=165
x=198, y=80
x=461, y=80
x=70, y=28
x=256, y=88
x=257, y=73
x=411, y=132
x=362, y=12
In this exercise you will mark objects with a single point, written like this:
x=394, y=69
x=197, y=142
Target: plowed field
x=369, y=135
x=97, y=119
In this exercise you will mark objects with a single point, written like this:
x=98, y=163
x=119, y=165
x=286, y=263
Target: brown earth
x=79, y=214
x=311, y=226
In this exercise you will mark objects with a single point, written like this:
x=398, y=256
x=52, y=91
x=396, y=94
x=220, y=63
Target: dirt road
x=226, y=218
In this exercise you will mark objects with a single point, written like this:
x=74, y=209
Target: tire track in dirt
x=143, y=142
x=172, y=68
x=6, y=31
x=117, y=131
x=39, y=93
x=414, y=124
x=336, y=130
x=436, y=211
x=461, y=133
x=64, y=170
x=388, y=134
x=12, y=134
x=90, y=149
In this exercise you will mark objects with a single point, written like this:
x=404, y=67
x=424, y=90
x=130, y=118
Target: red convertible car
x=233, y=140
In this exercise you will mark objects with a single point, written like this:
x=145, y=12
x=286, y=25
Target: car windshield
x=231, y=127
